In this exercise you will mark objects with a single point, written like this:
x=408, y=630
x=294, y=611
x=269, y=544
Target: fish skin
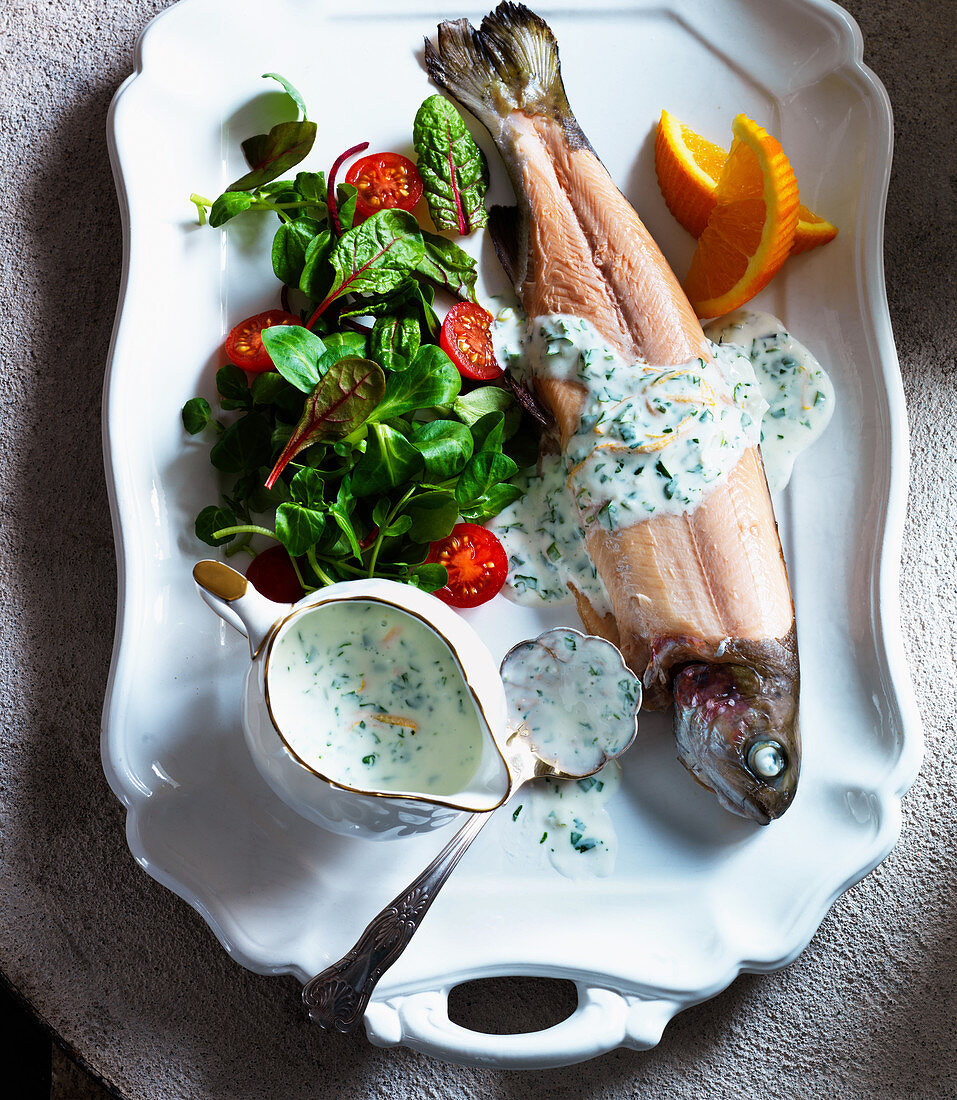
x=702, y=610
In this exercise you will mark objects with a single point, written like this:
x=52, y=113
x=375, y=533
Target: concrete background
x=127, y=974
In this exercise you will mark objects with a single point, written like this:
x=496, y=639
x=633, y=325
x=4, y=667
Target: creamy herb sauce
x=566, y=821
x=371, y=697
x=650, y=439
x=798, y=392
x=545, y=543
x=574, y=696
x=578, y=703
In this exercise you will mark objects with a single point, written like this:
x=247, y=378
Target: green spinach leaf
x=395, y=340
x=307, y=487
x=295, y=352
x=233, y=387
x=346, y=199
x=445, y=446
x=298, y=528
x=472, y=406
x=488, y=432
x=316, y=273
x=390, y=459
x=490, y=503
x=227, y=206
x=196, y=415
x=429, y=577
x=289, y=247
x=244, y=445
x=290, y=91
x=213, y=519
x=484, y=471
x=433, y=515
x=430, y=380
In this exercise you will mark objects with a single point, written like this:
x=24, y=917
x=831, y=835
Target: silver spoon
x=603, y=721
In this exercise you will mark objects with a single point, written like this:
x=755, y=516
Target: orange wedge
x=811, y=231
x=751, y=229
x=688, y=167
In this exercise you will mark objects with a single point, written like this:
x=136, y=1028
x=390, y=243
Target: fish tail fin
x=510, y=63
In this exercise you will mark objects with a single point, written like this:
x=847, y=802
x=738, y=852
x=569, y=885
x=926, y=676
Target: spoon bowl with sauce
x=573, y=707
x=369, y=707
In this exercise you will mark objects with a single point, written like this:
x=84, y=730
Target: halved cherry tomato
x=477, y=565
x=271, y=573
x=244, y=345
x=467, y=340
x=385, y=181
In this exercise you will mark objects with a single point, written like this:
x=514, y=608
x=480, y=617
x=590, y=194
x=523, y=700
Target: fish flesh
x=701, y=607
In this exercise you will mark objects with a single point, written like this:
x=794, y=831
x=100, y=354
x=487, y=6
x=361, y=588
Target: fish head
x=737, y=734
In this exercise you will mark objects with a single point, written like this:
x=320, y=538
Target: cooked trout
x=701, y=607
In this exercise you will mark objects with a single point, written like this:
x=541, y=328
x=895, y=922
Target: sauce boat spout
x=237, y=602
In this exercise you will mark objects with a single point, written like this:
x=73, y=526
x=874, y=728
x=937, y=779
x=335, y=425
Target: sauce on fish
x=650, y=439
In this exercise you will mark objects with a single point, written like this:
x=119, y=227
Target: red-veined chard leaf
x=375, y=257
x=452, y=167
x=343, y=399
x=270, y=155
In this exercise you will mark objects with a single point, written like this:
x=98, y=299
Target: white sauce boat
x=345, y=809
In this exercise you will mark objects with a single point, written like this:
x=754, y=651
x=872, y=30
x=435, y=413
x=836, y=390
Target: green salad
x=356, y=429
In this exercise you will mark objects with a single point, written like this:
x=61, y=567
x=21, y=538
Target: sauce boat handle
x=336, y=999
x=237, y=602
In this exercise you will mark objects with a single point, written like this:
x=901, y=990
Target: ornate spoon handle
x=336, y=998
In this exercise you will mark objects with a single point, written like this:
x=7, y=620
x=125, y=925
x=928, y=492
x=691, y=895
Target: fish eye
x=766, y=759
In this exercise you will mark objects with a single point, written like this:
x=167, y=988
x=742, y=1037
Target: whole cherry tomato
x=271, y=573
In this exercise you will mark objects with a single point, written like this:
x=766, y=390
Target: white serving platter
x=697, y=895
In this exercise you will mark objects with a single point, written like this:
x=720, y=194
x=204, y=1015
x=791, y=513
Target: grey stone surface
x=127, y=973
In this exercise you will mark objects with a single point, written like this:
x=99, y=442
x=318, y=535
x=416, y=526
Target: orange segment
x=750, y=230
x=688, y=167
x=811, y=231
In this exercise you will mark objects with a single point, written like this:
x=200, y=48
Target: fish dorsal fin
x=504, y=226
